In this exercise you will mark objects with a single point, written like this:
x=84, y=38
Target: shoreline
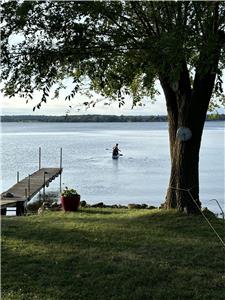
x=52, y=202
x=94, y=118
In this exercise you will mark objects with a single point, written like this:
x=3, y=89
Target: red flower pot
x=70, y=203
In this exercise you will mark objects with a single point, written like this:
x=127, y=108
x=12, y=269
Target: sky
x=18, y=106
x=61, y=107
x=58, y=107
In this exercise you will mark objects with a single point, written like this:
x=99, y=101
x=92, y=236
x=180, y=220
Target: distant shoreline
x=95, y=118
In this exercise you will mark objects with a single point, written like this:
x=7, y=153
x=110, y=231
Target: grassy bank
x=111, y=254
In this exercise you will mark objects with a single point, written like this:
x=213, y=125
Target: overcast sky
x=18, y=106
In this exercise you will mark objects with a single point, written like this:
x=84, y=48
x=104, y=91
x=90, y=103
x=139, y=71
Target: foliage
x=111, y=254
x=69, y=192
x=116, y=48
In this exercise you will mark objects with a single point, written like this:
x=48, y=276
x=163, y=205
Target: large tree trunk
x=186, y=107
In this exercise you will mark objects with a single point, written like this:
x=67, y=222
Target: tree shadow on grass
x=70, y=256
x=99, y=270
x=150, y=239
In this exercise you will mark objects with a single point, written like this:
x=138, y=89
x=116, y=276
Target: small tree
x=123, y=47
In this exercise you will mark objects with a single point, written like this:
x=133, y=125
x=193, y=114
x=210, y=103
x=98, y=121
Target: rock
x=162, y=206
x=46, y=204
x=134, y=206
x=122, y=206
x=144, y=206
x=83, y=203
x=114, y=206
x=40, y=210
x=99, y=205
x=56, y=208
x=152, y=207
x=54, y=205
x=185, y=210
x=208, y=213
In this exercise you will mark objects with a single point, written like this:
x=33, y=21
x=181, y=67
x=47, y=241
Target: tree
x=122, y=48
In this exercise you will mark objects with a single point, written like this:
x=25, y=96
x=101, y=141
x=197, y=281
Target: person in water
x=116, y=150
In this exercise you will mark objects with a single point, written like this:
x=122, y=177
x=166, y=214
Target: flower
x=69, y=192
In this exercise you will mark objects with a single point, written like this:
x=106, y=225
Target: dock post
x=29, y=185
x=3, y=211
x=20, y=208
x=39, y=194
x=18, y=176
x=60, y=176
x=39, y=158
x=44, y=187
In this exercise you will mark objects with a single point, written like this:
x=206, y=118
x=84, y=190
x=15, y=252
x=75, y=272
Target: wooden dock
x=27, y=188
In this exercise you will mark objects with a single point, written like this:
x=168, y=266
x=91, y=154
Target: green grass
x=112, y=254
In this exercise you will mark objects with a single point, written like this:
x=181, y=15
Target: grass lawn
x=116, y=254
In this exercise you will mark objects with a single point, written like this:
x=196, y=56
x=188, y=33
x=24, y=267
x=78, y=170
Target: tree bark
x=186, y=107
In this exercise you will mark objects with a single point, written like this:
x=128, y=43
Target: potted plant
x=70, y=199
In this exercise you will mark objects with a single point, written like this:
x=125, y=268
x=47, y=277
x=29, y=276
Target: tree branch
x=142, y=18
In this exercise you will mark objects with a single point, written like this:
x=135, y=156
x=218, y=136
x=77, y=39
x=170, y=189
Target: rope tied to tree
x=202, y=213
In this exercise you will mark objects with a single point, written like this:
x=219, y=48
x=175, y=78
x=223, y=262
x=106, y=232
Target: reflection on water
x=115, y=164
x=139, y=176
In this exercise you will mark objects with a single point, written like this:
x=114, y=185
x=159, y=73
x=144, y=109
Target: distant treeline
x=95, y=118
x=83, y=118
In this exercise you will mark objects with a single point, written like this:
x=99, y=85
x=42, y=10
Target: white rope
x=207, y=220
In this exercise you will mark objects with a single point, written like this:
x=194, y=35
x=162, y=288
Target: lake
x=141, y=175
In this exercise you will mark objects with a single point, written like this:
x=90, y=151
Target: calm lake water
x=139, y=176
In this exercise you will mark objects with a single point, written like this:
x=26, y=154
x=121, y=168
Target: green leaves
x=120, y=46
x=69, y=192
